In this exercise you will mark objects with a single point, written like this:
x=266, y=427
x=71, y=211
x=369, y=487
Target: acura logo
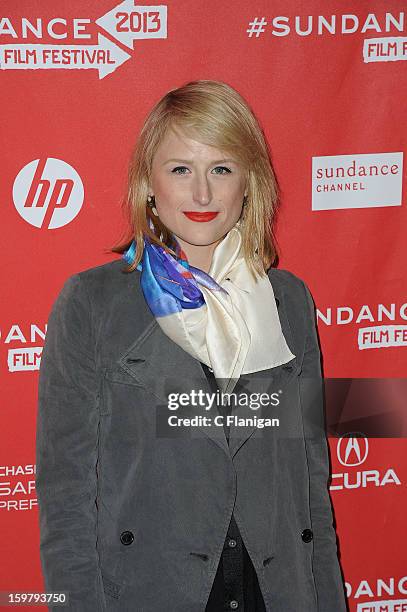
x=352, y=449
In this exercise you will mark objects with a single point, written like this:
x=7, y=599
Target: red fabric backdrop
x=328, y=83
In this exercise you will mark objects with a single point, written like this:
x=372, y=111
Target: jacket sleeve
x=67, y=451
x=326, y=568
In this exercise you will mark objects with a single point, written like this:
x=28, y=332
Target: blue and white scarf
x=223, y=318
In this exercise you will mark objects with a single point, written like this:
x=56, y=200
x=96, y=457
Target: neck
x=199, y=256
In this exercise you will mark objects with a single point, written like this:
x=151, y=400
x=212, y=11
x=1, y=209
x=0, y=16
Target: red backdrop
x=327, y=81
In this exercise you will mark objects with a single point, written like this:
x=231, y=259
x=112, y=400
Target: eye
x=179, y=168
x=228, y=171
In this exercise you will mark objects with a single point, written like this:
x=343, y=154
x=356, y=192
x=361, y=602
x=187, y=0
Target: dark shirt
x=236, y=586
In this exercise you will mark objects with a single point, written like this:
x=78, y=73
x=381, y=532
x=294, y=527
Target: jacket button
x=233, y=604
x=307, y=535
x=126, y=538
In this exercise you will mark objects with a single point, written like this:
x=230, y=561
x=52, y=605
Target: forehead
x=177, y=144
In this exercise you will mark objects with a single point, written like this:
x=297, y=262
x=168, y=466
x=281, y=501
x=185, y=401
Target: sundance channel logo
x=367, y=180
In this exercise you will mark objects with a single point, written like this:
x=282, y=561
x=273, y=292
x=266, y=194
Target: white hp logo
x=48, y=193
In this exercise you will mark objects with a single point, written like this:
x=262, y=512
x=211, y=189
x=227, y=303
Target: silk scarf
x=224, y=318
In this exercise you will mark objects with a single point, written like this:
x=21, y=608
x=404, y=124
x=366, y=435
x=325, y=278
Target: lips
x=200, y=216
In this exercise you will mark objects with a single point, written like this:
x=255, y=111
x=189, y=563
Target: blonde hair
x=215, y=114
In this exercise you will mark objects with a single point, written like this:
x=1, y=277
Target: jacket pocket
x=110, y=586
x=117, y=374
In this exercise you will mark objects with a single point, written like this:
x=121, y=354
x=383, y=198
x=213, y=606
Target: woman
x=141, y=509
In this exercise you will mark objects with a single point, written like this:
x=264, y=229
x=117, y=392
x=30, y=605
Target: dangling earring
x=242, y=214
x=151, y=204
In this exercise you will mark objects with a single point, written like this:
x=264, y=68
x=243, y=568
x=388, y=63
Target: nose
x=201, y=190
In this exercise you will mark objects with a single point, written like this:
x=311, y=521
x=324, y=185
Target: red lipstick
x=200, y=216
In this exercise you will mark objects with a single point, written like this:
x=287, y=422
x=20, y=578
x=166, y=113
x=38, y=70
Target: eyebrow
x=189, y=161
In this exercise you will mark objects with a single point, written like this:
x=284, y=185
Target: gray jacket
x=134, y=519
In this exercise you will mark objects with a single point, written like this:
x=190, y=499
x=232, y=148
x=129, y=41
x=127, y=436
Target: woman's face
x=198, y=190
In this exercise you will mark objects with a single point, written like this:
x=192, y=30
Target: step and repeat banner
x=328, y=83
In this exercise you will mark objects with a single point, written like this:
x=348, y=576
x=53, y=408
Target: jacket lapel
x=162, y=367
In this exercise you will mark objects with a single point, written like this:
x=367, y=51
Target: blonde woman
x=149, y=502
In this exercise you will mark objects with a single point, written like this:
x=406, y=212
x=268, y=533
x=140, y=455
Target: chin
x=201, y=240
x=200, y=237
